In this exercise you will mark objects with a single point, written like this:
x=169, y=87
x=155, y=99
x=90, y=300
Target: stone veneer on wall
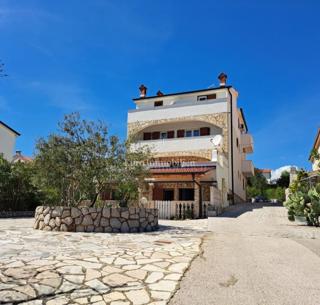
x=110, y=220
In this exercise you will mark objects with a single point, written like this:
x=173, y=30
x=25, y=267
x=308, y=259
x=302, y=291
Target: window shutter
x=204, y=131
x=180, y=133
x=170, y=134
x=147, y=136
x=155, y=135
x=157, y=193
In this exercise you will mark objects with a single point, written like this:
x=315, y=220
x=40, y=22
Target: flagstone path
x=57, y=268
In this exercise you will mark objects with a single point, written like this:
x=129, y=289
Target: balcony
x=247, y=143
x=247, y=168
x=178, y=144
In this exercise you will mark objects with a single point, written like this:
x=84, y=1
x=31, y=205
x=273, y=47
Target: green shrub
x=17, y=190
x=305, y=204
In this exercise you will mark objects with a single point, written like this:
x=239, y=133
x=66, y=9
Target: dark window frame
x=206, y=97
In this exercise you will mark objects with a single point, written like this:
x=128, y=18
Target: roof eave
x=11, y=129
x=180, y=93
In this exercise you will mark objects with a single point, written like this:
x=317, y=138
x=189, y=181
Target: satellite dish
x=217, y=140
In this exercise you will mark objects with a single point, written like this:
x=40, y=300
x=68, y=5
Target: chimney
x=159, y=93
x=143, y=91
x=223, y=79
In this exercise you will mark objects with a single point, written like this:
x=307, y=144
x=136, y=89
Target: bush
x=277, y=193
x=304, y=201
x=17, y=190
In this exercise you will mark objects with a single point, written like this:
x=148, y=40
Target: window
x=186, y=194
x=155, y=135
x=170, y=134
x=180, y=133
x=168, y=194
x=189, y=133
x=196, y=133
x=204, y=131
x=202, y=98
x=164, y=135
x=146, y=136
x=158, y=103
x=206, y=97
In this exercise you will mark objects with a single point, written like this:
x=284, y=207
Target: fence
x=174, y=209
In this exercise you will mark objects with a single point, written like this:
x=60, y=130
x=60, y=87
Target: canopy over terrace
x=182, y=181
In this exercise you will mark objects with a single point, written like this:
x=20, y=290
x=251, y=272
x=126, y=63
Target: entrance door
x=168, y=194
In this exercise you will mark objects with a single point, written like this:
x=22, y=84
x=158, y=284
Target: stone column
x=212, y=195
x=176, y=193
x=196, y=199
x=150, y=194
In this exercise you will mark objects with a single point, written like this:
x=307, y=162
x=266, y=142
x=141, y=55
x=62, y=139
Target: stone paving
x=57, y=268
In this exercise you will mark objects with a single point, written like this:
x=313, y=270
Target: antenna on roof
x=216, y=141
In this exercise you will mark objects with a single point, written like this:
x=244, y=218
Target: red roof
x=181, y=170
x=264, y=170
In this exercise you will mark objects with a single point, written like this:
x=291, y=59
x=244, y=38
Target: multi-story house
x=199, y=142
x=8, y=138
x=315, y=150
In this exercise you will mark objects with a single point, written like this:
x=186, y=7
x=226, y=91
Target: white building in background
x=8, y=138
x=199, y=141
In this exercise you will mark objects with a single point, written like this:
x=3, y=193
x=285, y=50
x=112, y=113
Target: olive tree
x=82, y=160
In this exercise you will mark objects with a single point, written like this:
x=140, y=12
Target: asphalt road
x=254, y=256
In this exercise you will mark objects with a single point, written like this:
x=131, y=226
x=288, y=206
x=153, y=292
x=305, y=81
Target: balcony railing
x=247, y=168
x=247, y=143
x=178, y=144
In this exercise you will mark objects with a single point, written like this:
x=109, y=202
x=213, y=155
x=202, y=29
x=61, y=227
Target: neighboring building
x=8, y=138
x=199, y=148
x=19, y=157
x=316, y=148
x=265, y=172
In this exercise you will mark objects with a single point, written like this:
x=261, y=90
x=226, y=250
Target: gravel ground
x=254, y=256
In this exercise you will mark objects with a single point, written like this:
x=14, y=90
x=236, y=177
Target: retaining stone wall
x=115, y=220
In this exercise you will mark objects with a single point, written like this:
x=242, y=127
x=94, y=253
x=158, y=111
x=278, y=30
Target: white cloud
x=276, y=174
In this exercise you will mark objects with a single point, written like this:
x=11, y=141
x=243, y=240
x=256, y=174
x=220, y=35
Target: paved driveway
x=255, y=257
x=56, y=268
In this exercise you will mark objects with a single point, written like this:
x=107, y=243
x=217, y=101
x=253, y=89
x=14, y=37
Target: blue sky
x=91, y=56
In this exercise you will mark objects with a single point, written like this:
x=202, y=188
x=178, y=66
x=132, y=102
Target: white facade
x=184, y=116
x=7, y=141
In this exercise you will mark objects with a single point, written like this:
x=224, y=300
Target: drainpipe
x=231, y=134
x=200, y=195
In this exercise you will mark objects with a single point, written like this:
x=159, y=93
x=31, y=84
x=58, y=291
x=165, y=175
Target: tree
x=82, y=160
x=17, y=190
x=132, y=173
x=284, y=180
x=257, y=185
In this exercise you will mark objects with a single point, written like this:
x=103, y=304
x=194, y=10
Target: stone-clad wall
x=72, y=219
